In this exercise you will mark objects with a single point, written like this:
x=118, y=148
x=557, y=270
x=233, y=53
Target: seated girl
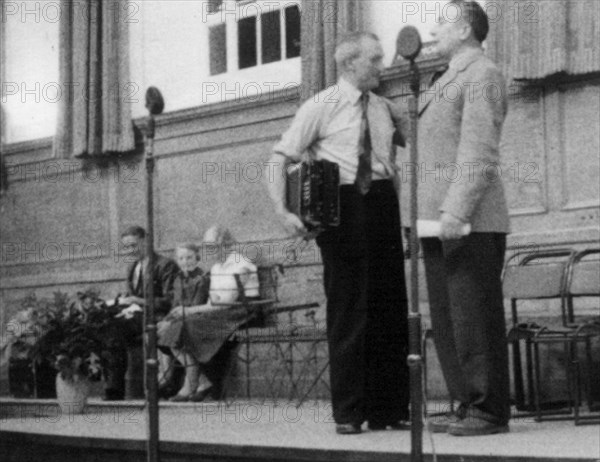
x=206, y=326
x=190, y=288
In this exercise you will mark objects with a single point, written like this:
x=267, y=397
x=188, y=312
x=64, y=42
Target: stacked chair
x=564, y=275
x=583, y=282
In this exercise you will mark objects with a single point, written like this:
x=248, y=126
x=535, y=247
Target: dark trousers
x=119, y=335
x=367, y=328
x=467, y=315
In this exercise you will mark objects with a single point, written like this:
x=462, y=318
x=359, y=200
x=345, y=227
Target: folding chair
x=293, y=353
x=428, y=335
x=535, y=275
x=257, y=316
x=583, y=281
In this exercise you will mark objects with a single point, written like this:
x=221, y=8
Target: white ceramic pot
x=72, y=394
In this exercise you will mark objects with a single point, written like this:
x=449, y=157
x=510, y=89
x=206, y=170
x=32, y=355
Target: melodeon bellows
x=313, y=192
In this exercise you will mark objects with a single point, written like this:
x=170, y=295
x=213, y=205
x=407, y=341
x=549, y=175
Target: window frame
x=230, y=12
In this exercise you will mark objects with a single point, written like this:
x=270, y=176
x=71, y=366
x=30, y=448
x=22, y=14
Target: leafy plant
x=70, y=333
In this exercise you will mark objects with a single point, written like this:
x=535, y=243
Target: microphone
x=154, y=101
x=408, y=43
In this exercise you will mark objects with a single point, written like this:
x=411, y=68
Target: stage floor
x=253, y=430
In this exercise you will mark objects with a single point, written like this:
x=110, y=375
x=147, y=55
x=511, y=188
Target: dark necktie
x=364, y=174
x=138, y=277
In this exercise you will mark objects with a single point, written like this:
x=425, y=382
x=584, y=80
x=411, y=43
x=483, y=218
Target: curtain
x=94, y=115
x=533, y=40
x=322, y=22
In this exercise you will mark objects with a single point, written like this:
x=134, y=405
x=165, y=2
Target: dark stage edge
x=34, y=430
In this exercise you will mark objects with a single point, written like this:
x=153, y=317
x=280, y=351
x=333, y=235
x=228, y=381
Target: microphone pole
x=408, y=45
x=155, y=105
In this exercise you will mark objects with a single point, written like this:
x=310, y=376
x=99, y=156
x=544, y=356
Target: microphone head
x=408, y=43
x=154, y=101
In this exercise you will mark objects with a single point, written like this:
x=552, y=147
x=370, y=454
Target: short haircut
x=475, y=16
x=134, y=230
x=348, y=46
x=188, y=246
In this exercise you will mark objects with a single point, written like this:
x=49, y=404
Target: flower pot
x=72, y=393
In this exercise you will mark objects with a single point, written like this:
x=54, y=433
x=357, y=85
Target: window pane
x=271, y=37
x=31, y=89
x=247, y=42
x=292, y=32
x=217, y=39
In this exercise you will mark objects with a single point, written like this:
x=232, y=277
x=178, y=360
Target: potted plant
x=72, y=341
x=31, y=374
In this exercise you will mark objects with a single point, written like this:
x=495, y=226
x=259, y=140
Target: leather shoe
x=440, y=424
x=347, y=429
x=397, y=425
x=179, y=398
x=475, y=426
x=200, y=395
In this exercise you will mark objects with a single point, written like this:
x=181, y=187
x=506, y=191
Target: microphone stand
x=408, y=45
x=415, y=358
x=152, y=447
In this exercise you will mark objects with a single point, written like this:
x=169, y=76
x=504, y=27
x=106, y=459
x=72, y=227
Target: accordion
x=312, y=192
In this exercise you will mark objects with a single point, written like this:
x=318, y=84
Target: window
x=246, y=42
x=30, y=89
x=292, y=32
x=270, y=37
x=245, y=34
x=204, y=52
x=218, y=50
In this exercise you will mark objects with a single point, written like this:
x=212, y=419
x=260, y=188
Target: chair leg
x=590, y=366
x=518, y=375
x=574, y=395
x=529, y=363
x=424, y=356
x=536, y=383
x=576, y=373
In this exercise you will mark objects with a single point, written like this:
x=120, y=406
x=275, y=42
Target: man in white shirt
x=363, y=257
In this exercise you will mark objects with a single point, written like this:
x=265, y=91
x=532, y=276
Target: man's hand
x=132, y=299
x=451, y=227
x=129, y=312
x=175, y=313
x=293, y=224
x=277, y=191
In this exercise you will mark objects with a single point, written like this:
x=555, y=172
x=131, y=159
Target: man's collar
x=349, y=91
x=463, y=58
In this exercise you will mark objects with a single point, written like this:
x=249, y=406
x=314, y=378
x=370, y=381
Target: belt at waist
x=376, y=186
